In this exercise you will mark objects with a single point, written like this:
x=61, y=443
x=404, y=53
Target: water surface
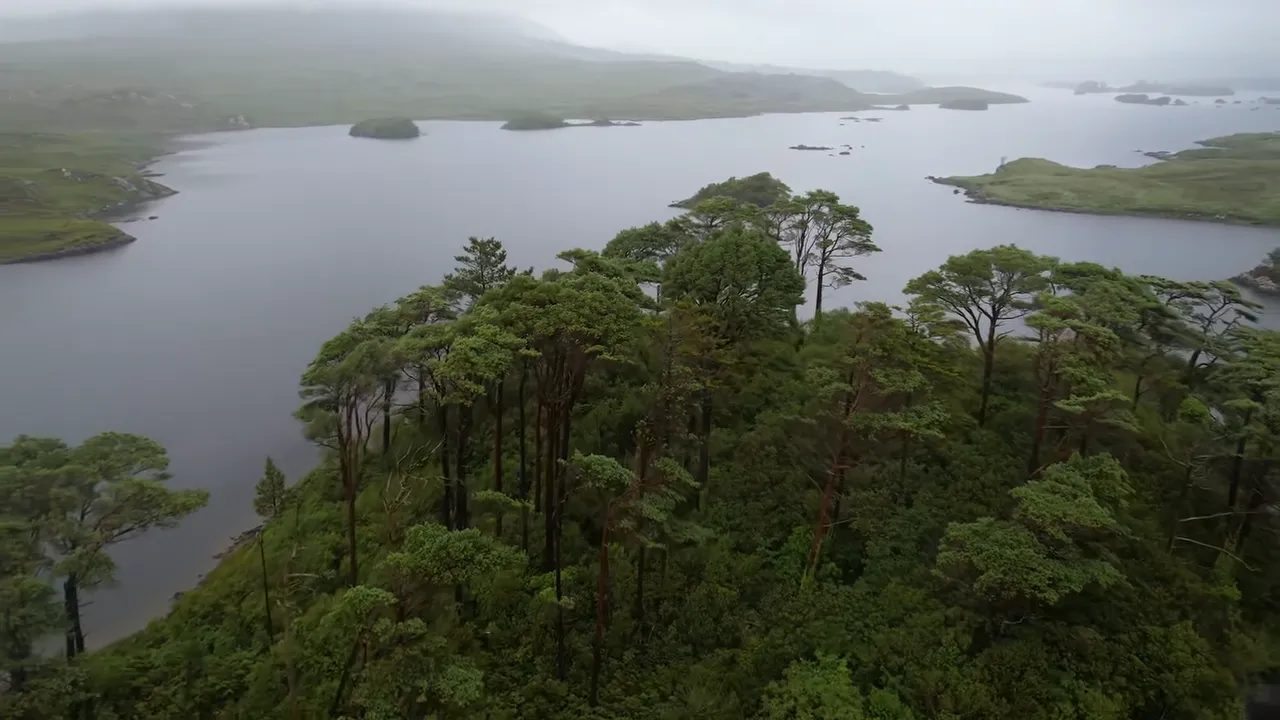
x=196, y=334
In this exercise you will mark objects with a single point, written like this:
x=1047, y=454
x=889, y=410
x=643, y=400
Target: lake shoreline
x=113, y=213
x=976, y=196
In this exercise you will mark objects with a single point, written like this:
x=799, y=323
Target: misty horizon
x=1125, y=41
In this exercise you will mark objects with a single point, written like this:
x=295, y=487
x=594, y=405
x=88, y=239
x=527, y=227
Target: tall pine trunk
x=704, y=452
x=389, y=390
x=562, y=497
x=1237, y=462
x=446, y=468
x=817, y=302
x=549, y=490
x=461, y=504
x=988, y=369
x=1037, y=433
x=638, y=613
x=1183, y=493
x=349, y=488
x=497, y=452
x=524, y=470
x=71, y=604
x=266, y=585
x=602, y=585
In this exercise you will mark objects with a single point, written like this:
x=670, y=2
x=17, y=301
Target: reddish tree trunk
x=704, y=453
x=988, y=368
x=524, y=469
x=446, y=469
x=602, y=585
x=497, y=453
x=549, y=490
x=1037, y=435
x=462, y=509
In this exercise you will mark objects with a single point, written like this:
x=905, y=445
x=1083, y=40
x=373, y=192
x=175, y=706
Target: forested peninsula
x=1228, y=180
x=639, y=486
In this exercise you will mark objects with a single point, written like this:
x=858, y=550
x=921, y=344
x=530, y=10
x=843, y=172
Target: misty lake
x=196, y=334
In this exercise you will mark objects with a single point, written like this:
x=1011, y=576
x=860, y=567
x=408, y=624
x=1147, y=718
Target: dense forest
x=639, y=486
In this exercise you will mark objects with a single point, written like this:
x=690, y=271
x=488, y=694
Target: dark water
x=196, y=334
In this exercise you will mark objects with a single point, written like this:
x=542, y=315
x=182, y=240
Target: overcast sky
x=1043, y=36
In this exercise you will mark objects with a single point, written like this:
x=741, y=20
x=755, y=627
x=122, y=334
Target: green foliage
x=551, y=528
x=270, y=495
x=482, y=267
x=761, y=190
x=814, y=690
x=399, y=128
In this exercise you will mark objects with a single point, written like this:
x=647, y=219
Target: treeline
x=639, y=487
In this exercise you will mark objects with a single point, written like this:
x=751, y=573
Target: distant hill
x=868, y=81
x=736, y=94
x=285, y=66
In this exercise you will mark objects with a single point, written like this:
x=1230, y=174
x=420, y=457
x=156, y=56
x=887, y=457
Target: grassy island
x=1233, y=179
x=761, y=190
x=399, y=128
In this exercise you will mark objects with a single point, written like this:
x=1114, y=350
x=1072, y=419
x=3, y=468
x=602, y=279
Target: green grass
x=24, y=238
x=51, y=187
x=1234, y=179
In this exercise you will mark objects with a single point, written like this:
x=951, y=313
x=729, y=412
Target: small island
x=810, y=147
x=1227, y=180
x=1142, y=99
x=940, y=95
x=964, y=104
x=535, y=121
x=1152, y=88
x=399, y=128
x=1265, y=278
x=761, y=190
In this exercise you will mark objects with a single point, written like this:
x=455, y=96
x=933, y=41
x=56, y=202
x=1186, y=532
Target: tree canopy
x=638, y=485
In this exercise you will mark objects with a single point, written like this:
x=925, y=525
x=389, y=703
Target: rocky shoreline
x=118, y=241
x=1263, y=278
x=146, y=191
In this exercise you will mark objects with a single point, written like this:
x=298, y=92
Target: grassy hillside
x=52, y=187
x=1231, y=179
x=287, y=67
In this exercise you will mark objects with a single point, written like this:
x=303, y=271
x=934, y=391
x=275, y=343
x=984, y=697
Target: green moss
x=399, y=128
x=1231, y=179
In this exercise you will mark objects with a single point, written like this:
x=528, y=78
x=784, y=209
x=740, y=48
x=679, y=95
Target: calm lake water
x=196, y=334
